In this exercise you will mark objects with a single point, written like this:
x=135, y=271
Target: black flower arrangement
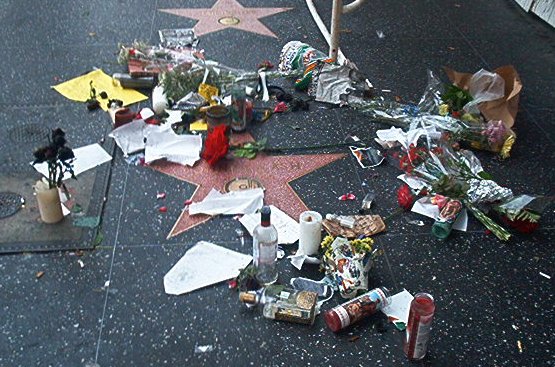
x=58, y=156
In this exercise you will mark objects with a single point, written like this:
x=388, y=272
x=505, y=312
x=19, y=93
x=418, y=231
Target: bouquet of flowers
x=455, y=179
x=457, y=110
x=347, y=263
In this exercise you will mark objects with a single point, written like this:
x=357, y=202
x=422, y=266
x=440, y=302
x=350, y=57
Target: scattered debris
x=380, y=34
x=545, y=275
x=354, y=338
x=519, y=346
x=81, y=263
x=160, y=195
x=203, y=349
x=415, y=222
x=39, y=274
x=346, y=197
x=163, y=209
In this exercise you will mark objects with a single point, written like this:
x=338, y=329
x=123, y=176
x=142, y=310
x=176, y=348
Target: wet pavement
x=107, y=307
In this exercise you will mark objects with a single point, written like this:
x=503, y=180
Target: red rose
x=216, y=145
x=523, y=226
x=405, y=197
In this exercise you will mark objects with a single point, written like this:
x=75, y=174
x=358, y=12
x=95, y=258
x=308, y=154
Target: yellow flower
x=443, y=109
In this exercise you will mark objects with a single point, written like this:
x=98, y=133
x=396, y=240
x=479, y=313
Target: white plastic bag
x=484, y=86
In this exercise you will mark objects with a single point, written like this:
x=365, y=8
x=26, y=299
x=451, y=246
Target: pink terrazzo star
x=228, y=14
x=273, y=172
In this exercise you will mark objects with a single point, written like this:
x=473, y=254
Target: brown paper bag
x=504, y=109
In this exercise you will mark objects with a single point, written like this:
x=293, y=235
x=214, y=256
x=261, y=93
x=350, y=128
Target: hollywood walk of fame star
x=273, y=172
x=228, y=14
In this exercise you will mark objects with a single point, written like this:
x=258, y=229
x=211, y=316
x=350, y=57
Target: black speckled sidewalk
x=107, y=307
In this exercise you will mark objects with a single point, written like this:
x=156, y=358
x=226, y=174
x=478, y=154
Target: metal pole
x=335, y=24
x=353, y=6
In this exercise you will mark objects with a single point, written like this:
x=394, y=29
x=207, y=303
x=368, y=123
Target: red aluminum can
x=421, y=314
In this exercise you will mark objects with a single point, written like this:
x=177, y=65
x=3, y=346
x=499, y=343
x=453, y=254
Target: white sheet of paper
x=130, y=137
x=234, y=202
x=173, y=116
x=203, y=265
x=399, y=306
x=162, y=142
x=425, y=207
x=86, y=158
x=287, y=227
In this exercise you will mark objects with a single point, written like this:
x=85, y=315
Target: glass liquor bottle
x=284, y=304
x=265, y=241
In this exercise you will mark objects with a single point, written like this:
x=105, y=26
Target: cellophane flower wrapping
x=347, y=266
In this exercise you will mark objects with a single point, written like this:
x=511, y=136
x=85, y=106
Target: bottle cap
x=265, y=213
x=247, y=297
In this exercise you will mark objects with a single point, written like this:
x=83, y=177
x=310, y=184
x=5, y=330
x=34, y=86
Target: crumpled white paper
x=414, y=183
x=86, y=158
x=130, y=137
x=163, y=142
x=234, y=202
x=159, y=142
x=395, y=134
x=203, y=265
x=300, y=258
x=287, y=227
x=333, y=82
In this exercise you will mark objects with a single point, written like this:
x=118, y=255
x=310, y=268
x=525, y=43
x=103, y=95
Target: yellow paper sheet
x=199, y=125
x=78, y=89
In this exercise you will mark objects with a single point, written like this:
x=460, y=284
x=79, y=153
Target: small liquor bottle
x=421, y=314
x=264, y=241
x=284, y=304
x=348, y=313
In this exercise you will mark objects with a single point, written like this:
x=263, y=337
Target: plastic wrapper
x=297, y=55
x=182, y=80
x=178, y=38
x=147, y=60
x=431, y=98
x=347, y=268
x=484, y=86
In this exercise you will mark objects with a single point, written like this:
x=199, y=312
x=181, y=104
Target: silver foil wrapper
x=487, y=191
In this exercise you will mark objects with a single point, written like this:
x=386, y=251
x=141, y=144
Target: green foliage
x=250, y=150
x=456, y=97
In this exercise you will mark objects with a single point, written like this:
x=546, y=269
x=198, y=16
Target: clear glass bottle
x=265, y=243
x=284, y=304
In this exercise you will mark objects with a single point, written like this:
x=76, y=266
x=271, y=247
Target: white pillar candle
x=310, y=232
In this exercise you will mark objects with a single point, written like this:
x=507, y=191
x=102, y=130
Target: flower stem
x=497, y=230
x=312, y=147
